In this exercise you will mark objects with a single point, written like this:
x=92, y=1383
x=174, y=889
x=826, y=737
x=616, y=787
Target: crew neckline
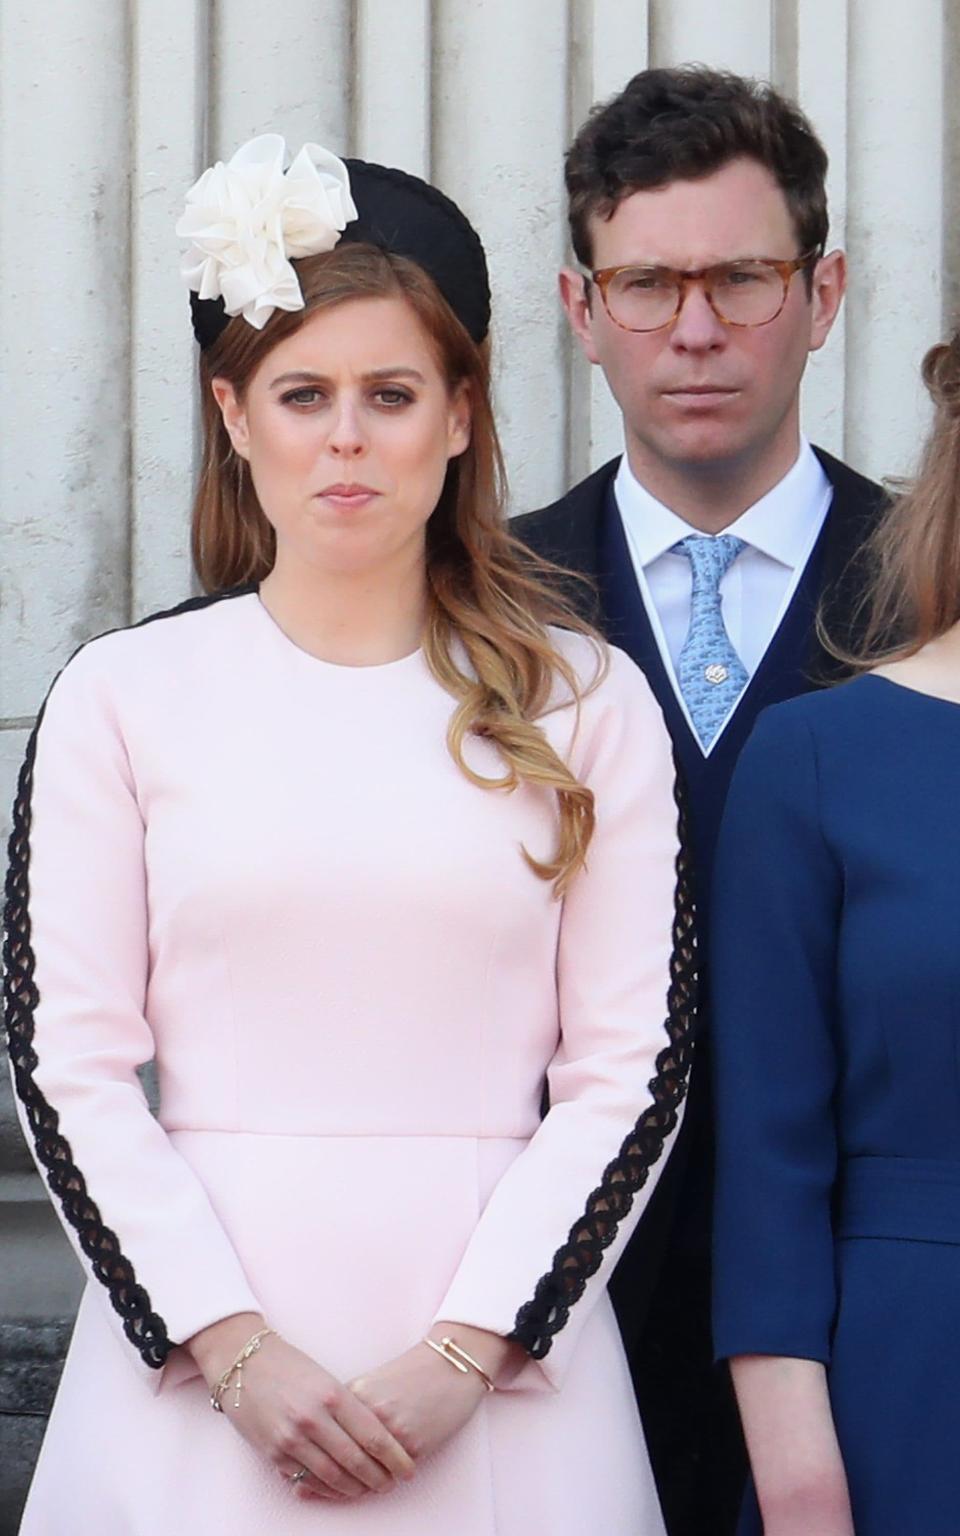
x=282, y=641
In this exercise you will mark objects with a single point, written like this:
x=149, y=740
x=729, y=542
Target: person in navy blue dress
x=836, y=1016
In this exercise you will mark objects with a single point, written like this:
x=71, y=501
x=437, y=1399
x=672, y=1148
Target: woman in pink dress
x=366, y=852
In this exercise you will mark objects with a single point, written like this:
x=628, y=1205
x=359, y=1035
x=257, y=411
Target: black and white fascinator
x=249, y=220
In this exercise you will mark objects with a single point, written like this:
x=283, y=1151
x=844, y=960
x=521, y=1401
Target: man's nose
x=697, y=328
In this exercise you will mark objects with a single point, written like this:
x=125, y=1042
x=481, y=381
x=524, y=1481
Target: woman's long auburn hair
x=489, y=599
x=912, y=559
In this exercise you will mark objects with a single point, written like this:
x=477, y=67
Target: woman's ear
x=460, y=421
x=234, y=416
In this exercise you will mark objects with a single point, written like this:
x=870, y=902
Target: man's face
x=699, y=392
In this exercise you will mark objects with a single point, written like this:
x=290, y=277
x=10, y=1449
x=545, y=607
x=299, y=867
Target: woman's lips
x=347, y=497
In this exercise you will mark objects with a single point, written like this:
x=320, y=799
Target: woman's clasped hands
x=423, y=1399
x=334, y=1440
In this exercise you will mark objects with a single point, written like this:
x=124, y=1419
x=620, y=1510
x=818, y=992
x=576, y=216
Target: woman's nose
x=347, y=438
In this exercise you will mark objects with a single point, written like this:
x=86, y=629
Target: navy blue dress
x=836, y=1013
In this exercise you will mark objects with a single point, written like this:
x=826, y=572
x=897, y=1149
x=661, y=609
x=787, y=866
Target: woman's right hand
x=297, y=1415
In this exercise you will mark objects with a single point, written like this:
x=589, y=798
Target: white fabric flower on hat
x=248, y=219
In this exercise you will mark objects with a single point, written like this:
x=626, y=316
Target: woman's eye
x=393, y=397
x=306, y=396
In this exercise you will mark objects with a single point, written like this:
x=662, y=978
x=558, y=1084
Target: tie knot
x=711, y=559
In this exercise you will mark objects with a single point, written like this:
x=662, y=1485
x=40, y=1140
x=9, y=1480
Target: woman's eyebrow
x=305, y=376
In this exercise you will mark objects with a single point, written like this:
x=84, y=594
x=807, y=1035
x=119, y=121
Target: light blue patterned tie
x=709, y=671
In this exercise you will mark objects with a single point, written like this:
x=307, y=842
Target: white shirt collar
x=778, y=524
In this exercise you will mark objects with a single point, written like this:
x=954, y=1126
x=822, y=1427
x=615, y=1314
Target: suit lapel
x=854, y=513
x=832, y=580
x=568, y=532
x=784, y=669
x=626, y=622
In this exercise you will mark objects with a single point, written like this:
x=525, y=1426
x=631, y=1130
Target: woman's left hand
x=424, y=1400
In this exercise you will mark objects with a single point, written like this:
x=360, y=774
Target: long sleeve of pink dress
x=267, y=873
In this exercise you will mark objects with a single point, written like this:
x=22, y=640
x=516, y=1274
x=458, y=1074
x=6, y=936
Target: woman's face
x=348, y=427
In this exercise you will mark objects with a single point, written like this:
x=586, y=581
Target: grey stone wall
x=40, y=1283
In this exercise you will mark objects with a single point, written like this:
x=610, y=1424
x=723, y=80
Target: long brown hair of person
x=912, y=560
x=489, y=600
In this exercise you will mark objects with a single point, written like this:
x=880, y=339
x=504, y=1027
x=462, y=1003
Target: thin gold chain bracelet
x=236, y=1369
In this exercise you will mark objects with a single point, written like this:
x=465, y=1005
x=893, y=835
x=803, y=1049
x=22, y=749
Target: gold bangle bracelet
x=448, y=1349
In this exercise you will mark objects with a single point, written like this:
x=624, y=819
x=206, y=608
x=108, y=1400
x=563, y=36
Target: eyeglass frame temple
x=786, y=270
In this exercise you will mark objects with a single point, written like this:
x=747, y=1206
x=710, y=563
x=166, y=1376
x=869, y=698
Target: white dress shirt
x=779, y=531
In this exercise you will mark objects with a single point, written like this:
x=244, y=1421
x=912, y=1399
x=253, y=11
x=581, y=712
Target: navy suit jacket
x=583, y=532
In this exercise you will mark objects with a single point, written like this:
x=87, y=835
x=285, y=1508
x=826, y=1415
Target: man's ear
x=234, y=416
x=578, y=299
x=829, y=286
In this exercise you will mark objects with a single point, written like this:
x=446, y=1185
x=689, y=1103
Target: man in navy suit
x=698, y=216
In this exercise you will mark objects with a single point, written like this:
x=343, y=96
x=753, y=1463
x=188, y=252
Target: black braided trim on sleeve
x=145, y=1330
x=541, y=1318
x=142, y=1326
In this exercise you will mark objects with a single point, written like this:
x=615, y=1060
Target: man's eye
x=741, y=277
x=645, y=282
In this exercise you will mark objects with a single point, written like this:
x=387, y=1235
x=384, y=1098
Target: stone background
x=108, y=111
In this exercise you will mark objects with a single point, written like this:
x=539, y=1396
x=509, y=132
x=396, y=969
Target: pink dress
x=268, y=872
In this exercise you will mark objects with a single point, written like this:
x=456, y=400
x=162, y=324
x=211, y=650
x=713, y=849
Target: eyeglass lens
x=742, y=292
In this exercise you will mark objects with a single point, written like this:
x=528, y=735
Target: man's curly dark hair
x=681, y=124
